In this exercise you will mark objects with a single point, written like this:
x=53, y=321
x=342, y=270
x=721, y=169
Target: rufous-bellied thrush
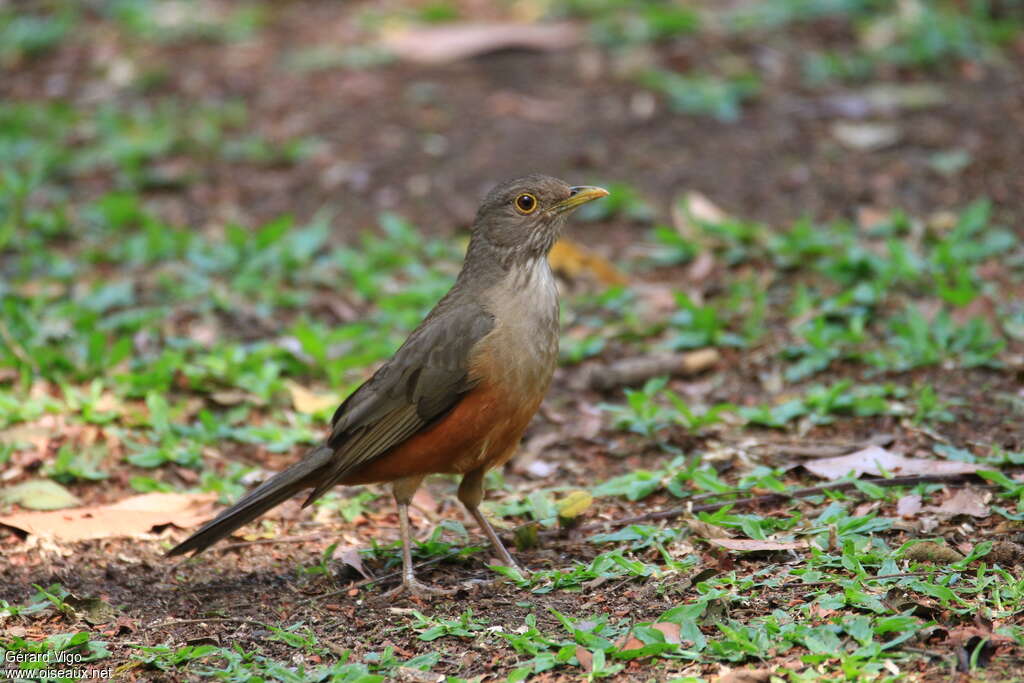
x=458, y=394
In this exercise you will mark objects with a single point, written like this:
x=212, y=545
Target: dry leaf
x=876, y=461
x=929, y=551
x=669, y=630
x=694, y=208
x=436, y=45
x=305, y=401
x=571, y=260
x=866, y=136
x=350, y=557
x=129, y=517
x=749, y=545
x=746, y=676
x=966, y=501
x=1006, y=554
x=586, y=659
x=92, y=610
x=630, y=642
x=705, y=530
x=908, y=506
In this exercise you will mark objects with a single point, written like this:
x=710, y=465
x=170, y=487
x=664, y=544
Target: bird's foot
x=417, y=590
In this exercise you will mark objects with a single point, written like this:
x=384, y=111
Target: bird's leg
x=403, y=490
x=471, y=492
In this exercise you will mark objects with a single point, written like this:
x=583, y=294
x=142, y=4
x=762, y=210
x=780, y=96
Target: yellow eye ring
x=526, y=203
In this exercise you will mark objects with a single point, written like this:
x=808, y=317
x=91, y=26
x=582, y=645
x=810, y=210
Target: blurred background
x=216, y=217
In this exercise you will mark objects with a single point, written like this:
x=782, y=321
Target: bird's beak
x=577, y=196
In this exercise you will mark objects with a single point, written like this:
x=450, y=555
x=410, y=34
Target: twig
x=272, y=541
x=631, y=371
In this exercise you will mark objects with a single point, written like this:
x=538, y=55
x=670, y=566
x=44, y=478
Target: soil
x=427, y=142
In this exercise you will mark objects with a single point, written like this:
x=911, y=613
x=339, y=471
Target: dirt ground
x=426, y=142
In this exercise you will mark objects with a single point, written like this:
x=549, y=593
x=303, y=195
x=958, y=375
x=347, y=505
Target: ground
x=216, y=218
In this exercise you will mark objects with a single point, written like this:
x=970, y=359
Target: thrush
x=458, y=394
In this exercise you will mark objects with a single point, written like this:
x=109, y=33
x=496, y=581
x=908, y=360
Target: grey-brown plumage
x=457, y=395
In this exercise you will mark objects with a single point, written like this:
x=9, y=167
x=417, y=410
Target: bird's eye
x=526, y=203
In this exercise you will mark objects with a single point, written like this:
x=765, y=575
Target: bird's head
x=521, y=219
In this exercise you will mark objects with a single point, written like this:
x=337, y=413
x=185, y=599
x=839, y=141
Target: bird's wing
x=422, y=382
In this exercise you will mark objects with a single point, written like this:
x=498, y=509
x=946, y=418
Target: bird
x=457, y=395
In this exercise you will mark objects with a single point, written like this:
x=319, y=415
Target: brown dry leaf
x=693, y=208
x=232, y=397
x=572, y=259
x=929, y=551
x=1006, y=554
x=350, y=556
x=629, y=642
x=129, y=517
x=440, y=44
x=585, y=658
x=966, y=501
x=746, y=676
x=669, y=630
x=876, y=460
x=37, y=434
x=702, y=266
x=866, y=136
x=305, y=401
x=705, y=530
x=750, y=545
x=908, y=506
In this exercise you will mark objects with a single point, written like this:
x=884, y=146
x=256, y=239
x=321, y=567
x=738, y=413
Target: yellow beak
x=579, y=195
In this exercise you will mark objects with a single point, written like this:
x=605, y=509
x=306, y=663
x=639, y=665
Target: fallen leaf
x=746, y=676
x=865, y=136
x=705, y=530
x=352, y=558
x=572, y=260
x=701, y=267
x=629, y=642
x=92, y=610
x=436, y=45
x=966, y=501
x=669, y=630
x=129, y=517
x=40, y=494
x=37, y=434
x=886, y=99
x=231, y=397
x=908, y=506
x=929, y=551
x=305, y=401
x=586, y=659
x=540, y=469
x=750, y=545
x=1006, y=554
x=692, y=209
x=875, y=460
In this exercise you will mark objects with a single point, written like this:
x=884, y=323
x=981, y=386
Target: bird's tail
x=275, y=491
